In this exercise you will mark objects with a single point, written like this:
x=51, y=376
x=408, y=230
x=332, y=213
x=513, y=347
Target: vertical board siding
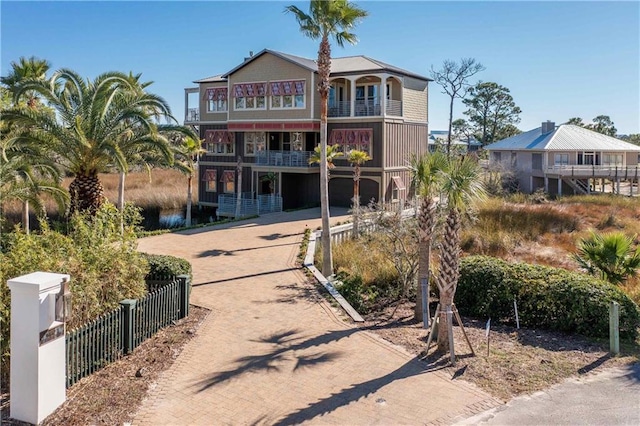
x=403, y=139
x=101, y=341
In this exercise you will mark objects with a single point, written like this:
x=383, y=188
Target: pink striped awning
x=209, y=175
x=219, y=136
x=294, y=87
x=228, y=176
x=216, y=93
x=249, y=90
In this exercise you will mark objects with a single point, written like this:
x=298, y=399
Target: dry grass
x=162, y=189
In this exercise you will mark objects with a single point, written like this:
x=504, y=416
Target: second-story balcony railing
x=585, y=171
x=394, y=108
x=365, y=108
x=339, y=109
x=283, y=158
x=193, y=114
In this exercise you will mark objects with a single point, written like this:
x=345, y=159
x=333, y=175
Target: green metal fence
x=114, y=334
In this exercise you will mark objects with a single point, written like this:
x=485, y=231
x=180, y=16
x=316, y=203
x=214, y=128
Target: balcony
x=193, y=115
x=587, y=171
x=283, y=158
x=364, y=108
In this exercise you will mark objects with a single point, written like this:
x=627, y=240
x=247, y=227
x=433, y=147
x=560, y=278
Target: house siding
x=268, y=68
x=202, y=102
x=414, y=105
x=402, y=139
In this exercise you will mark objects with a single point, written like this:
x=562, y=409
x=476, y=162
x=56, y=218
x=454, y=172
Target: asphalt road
x=608, y=398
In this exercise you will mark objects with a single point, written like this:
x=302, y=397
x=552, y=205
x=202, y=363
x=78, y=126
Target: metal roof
x=212, y=79
x=566, y=137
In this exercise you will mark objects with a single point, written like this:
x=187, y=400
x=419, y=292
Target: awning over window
x=397, y=181
x=352, y=137
x=249, y=90
x=209, y=176
x=216, y=93
x=228, y=176
x=294, y=87
x=219, y=136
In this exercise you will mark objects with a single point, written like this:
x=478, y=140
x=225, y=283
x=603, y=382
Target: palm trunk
x=324, y=67
x=426, y=221
x=25, y=216
x=86, y=194
x=239, y=189
x=449, y=272
x=121, y=191
x=356, y=200
x=450, y=124
x=187, y=219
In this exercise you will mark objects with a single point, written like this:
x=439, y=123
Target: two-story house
x=265, y=115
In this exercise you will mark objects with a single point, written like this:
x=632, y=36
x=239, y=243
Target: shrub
x=549, y=298
x=166, y=266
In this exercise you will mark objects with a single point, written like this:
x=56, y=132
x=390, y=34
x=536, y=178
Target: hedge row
x=548, y=298
x=166, y=266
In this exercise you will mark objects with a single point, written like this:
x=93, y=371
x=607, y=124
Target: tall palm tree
x=31, y=68
x=187, y=154
x=327, y=18
x=426, y=174
x=92, y=119
x=610, y=257
x=332, y=152
x=356, y=158
x=461, y=186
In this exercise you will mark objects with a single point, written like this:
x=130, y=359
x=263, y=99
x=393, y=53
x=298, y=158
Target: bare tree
x=454, y=79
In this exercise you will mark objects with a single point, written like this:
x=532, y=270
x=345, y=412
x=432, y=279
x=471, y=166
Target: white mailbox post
x=37, y=345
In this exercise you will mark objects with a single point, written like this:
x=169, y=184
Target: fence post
x=128, y=312
x=185, y=290
x=614, y=328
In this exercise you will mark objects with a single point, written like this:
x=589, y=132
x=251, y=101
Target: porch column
x=589, y=186
x=531, y=184
x=618, y=186
x=546, y=184
x=352, y=82
x=559, y=185
x=186, y=104
x=383, y=94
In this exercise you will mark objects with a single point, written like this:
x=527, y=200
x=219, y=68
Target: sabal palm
x=356, y=158
x=332, y=152
x=426, y=175
x=461, y=186
x=609, y=256
x=327, y=19
x=92, y=119
x=186, y=156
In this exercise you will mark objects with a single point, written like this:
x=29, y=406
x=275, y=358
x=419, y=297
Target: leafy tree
x=632, y=138
x=576, y=121
x=491, y=109
x=462, y=130
x=426, y=175
x=461, y=185
x=454, y=77
x=356, y=158
x=272, y=178
x=601, y=124
x=26, y=69
x=507, y=131
x=327, y=19
x=608, y=256
x=95, y=123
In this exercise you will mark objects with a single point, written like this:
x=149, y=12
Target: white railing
x=249, y=206
x=368, y=108
x=283, y=158
x=620, y=172
x=394, y=108
x=339, y=109
x=193, y=114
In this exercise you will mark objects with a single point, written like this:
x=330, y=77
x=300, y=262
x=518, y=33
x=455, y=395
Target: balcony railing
x=249, y=206
x=368, y=108
x=193, y=114
x=283, y=158
x=340, y=109
x=622, y=172
x=394, y=107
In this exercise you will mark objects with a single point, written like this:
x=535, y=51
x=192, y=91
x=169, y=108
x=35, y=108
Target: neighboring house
x=566, y=159
x=440, y=137
x=267, y=112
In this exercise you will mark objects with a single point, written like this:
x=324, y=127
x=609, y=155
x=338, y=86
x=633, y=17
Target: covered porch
x=377, y=95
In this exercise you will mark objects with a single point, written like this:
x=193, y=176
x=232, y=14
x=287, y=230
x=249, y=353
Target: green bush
x=548, y=298
x=166, y=266
x=104, y=265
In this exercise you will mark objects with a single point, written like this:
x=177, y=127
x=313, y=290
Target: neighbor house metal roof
x=346, y=65
x=566, y=137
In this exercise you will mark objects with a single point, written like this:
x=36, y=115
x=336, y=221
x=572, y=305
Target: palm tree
x=332, y=152
x=426, y=174
x=461, y=186
x=609, y=256
x=26, y=69
x=327, y=18
x=95, y=123
x=187, y=155
x=356, y=158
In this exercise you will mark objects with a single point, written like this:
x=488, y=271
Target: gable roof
x=344, y=65
x=566, y=137
x=212, y=79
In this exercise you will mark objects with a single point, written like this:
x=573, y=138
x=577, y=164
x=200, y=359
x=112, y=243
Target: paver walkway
x=273, y=352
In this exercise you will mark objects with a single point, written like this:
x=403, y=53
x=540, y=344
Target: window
x=250, y=96
x=561, y=160
x=348, y=139
x=216, y=99
x=287, y=94
x=612, y=159
x=297, y=141
x=229, y=181
x=536, y=161
x=254, y=142
x=496, y=157
x=220, y=142
x=397, y=185
x=210, y=182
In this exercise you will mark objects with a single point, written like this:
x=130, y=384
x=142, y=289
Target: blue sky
x=559, y=59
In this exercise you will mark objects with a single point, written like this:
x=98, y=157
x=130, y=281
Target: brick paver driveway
x=272, y=352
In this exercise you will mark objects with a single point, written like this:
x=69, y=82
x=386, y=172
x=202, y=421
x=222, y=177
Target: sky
x=559, y=59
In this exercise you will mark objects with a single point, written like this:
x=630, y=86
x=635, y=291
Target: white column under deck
x=383, y=94
x=186, y=105
x=559, y=185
